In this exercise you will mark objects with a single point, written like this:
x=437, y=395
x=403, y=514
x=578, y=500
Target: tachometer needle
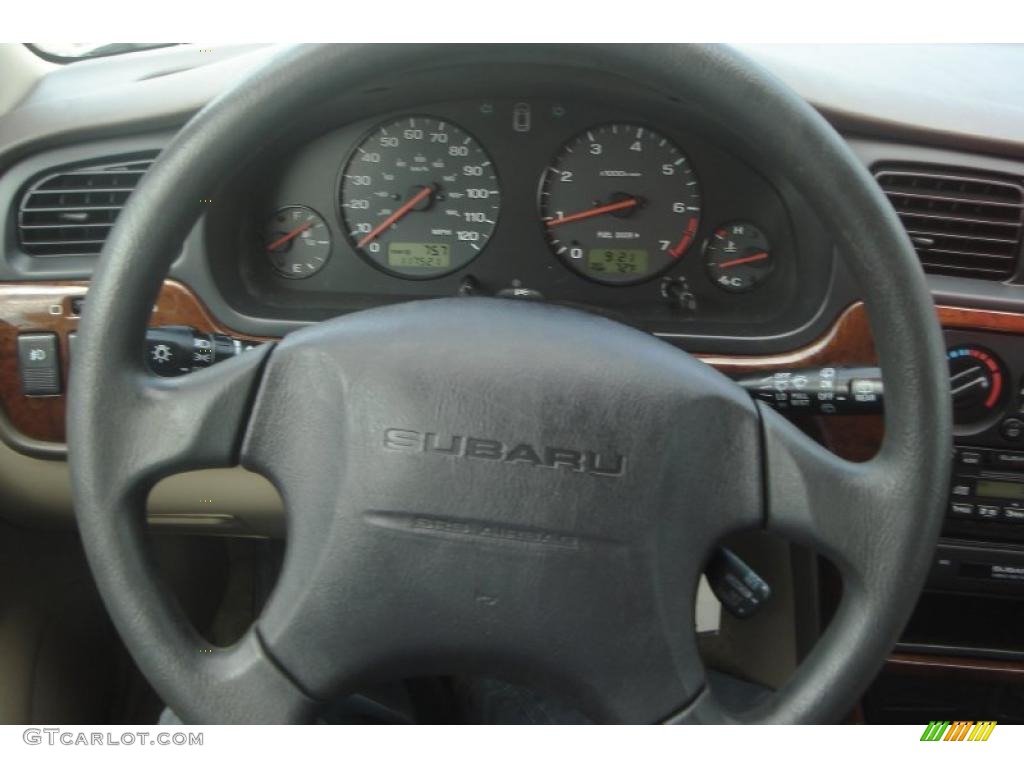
x=621, y=205
x=409, y=204
x=744, y=260
x=286, y=237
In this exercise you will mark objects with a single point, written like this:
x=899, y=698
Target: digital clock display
x=617, y=261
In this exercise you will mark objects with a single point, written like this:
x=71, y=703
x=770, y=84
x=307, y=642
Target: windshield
x=68, y=52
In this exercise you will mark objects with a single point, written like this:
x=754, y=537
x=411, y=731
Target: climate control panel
x=986, y=379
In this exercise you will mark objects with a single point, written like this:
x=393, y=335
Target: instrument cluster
x=576, y=203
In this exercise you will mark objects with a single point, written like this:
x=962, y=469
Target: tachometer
x=620, y=203
x=419, y=197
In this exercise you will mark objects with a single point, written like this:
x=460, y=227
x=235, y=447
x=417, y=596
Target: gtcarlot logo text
x=74, y=738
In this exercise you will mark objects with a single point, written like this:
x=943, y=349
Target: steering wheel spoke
x=844, y=510
x=857, y=516
x=176, y=425
x=198, y=421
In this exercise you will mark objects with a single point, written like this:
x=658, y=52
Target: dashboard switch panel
x=38, y=364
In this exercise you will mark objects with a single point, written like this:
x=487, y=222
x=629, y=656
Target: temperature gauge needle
x=744, y=260
x=409, y=204
x=621, y=205
x=285, y=238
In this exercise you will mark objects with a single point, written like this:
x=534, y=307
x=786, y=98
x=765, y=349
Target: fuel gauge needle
x=290, y=235
x=409, y=204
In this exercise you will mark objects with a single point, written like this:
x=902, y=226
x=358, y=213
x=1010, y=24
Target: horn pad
x=500, y=487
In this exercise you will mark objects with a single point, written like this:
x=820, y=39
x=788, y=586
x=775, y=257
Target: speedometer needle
x=744, y=260
x=285, y=238
x=621, y=205
x=409, y=204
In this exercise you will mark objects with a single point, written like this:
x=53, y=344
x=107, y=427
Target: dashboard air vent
x=962, y=222
x=70, y=212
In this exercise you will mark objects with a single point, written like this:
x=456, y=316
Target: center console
x=982, y=549
x=961, y=655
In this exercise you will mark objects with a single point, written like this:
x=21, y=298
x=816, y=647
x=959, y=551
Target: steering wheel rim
x=878, y=521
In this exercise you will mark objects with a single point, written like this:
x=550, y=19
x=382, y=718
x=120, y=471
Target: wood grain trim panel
x=966, y=318
x=848, y=342
x=923, y=664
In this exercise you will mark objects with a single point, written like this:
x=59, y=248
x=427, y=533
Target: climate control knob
x=976, y=381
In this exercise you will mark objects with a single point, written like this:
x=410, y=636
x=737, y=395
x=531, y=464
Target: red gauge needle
x=621, y=205
x=744, y=260
x=411, y=203
x=285, y=238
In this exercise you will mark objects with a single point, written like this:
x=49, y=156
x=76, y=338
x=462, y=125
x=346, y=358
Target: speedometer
x=620, y=203
x=419, y=197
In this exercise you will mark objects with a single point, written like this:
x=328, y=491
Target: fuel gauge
x=738, y=256
x=297, y=241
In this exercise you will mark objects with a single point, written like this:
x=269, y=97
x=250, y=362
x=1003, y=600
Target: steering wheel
x=491, y=486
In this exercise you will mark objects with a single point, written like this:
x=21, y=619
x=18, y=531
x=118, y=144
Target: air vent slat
x=962, y=222
x=940, y=233
x=69, y=212
x=950, y=220
x=68, y=242
x=84, y=190
x=970, y=254
x=32, y=227
x=973, y=271
x=55, y=208
x=952, y=199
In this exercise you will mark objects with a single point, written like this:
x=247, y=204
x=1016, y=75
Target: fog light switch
x=38, y=364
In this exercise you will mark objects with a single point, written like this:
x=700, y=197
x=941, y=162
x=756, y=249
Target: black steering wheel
x=577, y=572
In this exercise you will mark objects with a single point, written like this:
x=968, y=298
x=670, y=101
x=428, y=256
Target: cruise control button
x=988, y=512
x=961, y=510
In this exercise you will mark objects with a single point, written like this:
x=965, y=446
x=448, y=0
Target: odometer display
x=419, y=197
x=429, y=255
x=620, y=204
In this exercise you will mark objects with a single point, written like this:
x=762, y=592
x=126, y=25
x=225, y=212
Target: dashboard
x=558, y=185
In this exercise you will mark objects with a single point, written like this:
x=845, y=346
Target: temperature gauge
x=738, y=256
